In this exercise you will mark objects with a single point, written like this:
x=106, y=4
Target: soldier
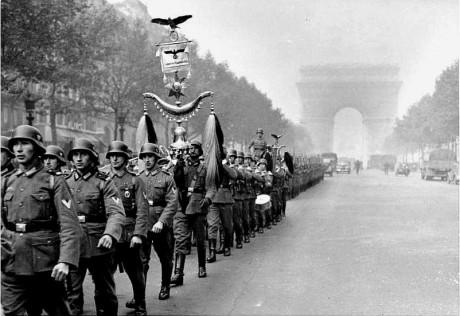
x=7, y=157
x=258, y=143
x=101, y=215
x=221, y=211
x=252, y=194
x=245, y=184
x=40, y=233
x=162, y=199
x=267, y=177
x=238, y=196
x=196, y=197
x=285, y=188
x=275, y=194
x=53, y=159
x=132, y=192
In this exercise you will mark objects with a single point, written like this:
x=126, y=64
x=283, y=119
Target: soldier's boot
x=166, y=269
x=201, y=251
x=220, y=250
x=253, y=232
x=246, y=239
x=212, y=251
x=227, y=252
x=131, y=303
x=164, y=292
x=178, y=277
x=141, y=310
x=261, y=230
x=239, y=242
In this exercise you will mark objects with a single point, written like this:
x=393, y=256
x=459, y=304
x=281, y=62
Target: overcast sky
x=267, y=41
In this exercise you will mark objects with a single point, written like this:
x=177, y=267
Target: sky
x=268, y=41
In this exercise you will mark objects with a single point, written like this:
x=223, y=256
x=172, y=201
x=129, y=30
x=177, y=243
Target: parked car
x=343, y=167
x=402, y=169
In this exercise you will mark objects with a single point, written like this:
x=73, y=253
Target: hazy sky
x=267, y=41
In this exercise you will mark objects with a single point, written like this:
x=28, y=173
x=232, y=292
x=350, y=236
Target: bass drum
x=263, y=202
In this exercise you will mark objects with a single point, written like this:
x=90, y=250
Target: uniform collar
x=154, y=171
x=8, y=168
x=117, y=173
x=77, y=175
x=37, y=166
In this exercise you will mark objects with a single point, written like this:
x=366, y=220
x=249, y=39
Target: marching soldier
x=101, y=215
x=238, y=196
x=221, y=211
x=252, y=194
x=267, y=177
x=195, y=200
x=53, y=159
x=245, y=185
x=162, y=200
x=275, y=194
x=258, y=144
x=7, y=157
x=132, y=192
x=40, y=233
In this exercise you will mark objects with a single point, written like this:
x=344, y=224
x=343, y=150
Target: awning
x=65, y=135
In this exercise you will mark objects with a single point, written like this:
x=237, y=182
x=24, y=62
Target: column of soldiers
x=62, y=218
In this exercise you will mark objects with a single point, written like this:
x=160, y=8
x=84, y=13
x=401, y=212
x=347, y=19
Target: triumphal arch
x=370, y=89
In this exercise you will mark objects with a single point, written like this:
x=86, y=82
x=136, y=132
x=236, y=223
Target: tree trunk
x=115, y=129
x=53, y=111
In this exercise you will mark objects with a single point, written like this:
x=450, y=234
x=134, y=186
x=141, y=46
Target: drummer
x=263, y=184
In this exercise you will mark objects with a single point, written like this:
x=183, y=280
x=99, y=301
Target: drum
x=263, y=202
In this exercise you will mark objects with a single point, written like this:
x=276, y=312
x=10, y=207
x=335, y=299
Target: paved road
x=365, y=244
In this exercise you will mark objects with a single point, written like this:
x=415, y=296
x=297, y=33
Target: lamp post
x=30, y=108
x=121, y=123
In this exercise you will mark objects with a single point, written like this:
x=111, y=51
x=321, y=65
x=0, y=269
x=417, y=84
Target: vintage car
x=402, y=169
x=343, y=167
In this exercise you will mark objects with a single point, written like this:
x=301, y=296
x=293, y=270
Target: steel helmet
x=83, y=144
x=240, y=154
x=55, y=152
x=259, y=130
x=30, y=133
x=232, y=153
x=262, y=161
x=150, y=148
x=118, y=147
x=248, y=155
x=5, y=141
x=197, y=143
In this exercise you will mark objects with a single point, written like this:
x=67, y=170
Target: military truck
x=438, y=165
x=329, y=162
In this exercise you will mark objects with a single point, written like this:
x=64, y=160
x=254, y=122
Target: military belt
x=91, y=219
x=161, y=203
x=33, y=226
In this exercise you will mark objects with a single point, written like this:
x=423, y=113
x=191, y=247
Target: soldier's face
x=150, y=161
x=117, y=161
x=194, y=151
x=81, y=160
x=247, y=161
x=239, y=160
x=262, y=167
x=260, y=135
x=232, y=159
x=51, y=163
x=5, y=158
x=24, y=151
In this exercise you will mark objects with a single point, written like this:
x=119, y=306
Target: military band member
x=101, y=215
x=40, y=233
x=132, y=192
x=245, y=183
x=252, y=194
x=221, y=211
x=238, y=196
x=7, y=157
x=275, y=194
x=161, y=193
x=53, y=159
x=196, y=197
x=258, y=144
x=267, y=177
x=285, y=188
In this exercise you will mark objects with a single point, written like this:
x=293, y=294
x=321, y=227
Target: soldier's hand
x=158, y=227
x=60, y=271
x=105, y=242
x=135, y=241
x=204, y=203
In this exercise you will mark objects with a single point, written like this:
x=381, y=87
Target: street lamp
x=30, y=108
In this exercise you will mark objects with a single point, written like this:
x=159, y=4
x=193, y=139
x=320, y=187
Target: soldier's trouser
x=252, y=214
x=225, y=213
x=132, y=260
x=275, y=204
x=33, y=293
x=284, y=196
x=183, y=227
x=101, y=269
x=260, y=216
x=213, y=220
x=245, y=217
x=237, y=220
x=163, y=243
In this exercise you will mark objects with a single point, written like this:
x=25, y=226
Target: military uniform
x=162, y=199
x=40, y=229
x=100, y=212
x=221, y=211
x=259, y=145
x=238, y=205
x=132, y=192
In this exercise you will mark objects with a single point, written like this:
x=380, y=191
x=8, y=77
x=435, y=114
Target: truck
x=438, y=165
x=329, y=162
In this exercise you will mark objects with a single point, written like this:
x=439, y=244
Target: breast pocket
x=45, y=252
x=93, y=204
x=40, y=205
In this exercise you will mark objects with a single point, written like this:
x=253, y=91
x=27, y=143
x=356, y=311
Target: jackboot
x=201, y=262
x=220, y=250
x=164, y=292
x=227, y=252
x=212, y=251
x=140, y=309
x=178, y=277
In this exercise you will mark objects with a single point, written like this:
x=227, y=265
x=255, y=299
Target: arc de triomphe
x=370, y=89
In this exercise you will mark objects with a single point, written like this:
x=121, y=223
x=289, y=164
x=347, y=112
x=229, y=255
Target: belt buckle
x=82, y=218
x=21, y=227
x=150, y=202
